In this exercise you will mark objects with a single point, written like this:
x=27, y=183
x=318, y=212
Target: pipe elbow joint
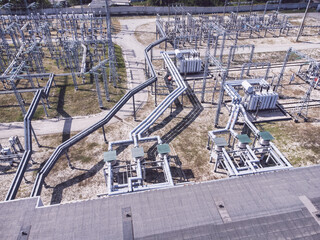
x=110, y=147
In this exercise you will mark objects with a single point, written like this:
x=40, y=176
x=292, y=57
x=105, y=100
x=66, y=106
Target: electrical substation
x=206, y=86
x=203, y=58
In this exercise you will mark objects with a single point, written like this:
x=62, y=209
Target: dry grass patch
x=299, y=142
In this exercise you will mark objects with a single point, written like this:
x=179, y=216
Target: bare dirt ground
x=185, y=129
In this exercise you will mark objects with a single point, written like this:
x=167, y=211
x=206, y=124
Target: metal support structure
x=243, y=159
x=134, y=109
x=206, y=65
x=104, y=135
x=303, y=20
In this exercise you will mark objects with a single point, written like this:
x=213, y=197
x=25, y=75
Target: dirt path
x=133, y=53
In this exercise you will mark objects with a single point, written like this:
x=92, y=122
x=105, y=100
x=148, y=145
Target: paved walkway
x=309, y=15
x=265, y=48
x=133, y=52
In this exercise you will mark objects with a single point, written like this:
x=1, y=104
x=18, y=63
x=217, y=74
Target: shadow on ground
x=58, y=189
